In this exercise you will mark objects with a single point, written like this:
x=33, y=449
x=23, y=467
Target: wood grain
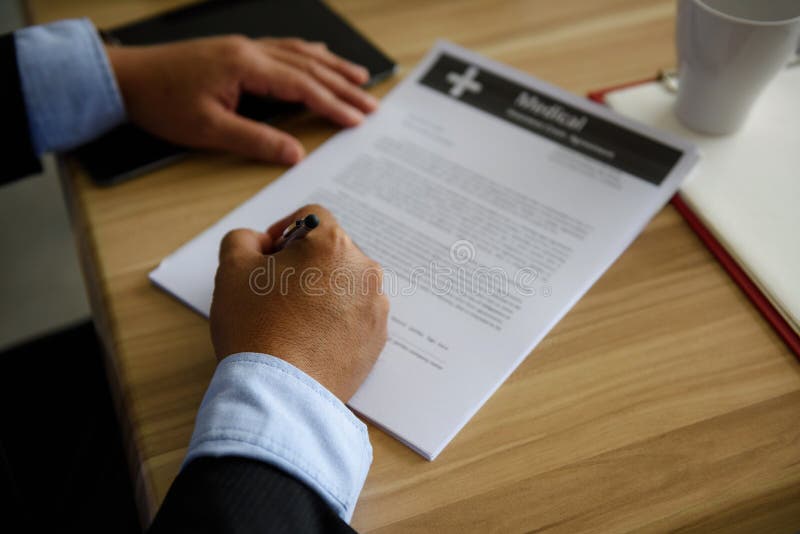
x=662, y=402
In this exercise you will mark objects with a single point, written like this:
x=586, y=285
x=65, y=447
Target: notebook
x=746, y=189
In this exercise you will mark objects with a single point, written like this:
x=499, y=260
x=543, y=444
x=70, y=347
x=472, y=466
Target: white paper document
x=492, y=200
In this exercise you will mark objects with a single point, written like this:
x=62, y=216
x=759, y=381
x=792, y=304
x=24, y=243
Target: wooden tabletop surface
x=663, y=401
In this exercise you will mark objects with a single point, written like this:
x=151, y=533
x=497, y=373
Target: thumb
x=244, y=243
x=251, y=139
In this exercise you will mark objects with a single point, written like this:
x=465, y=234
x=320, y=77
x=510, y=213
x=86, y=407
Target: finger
x=237, y=134
x=279, y=227
x=319, y=51
x=333, y=80
x=285, y=82
x=244, y=243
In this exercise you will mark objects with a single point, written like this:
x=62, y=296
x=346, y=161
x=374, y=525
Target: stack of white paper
x=493, y=202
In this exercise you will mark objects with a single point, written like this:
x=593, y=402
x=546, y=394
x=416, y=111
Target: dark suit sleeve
x=19, y=158
x=231, y=494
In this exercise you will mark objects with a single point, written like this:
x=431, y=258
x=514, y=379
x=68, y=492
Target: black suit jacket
x=19, y=159
x=211, y=495
x=238, y=495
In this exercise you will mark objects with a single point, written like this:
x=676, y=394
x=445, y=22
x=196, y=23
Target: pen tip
x=312, y=221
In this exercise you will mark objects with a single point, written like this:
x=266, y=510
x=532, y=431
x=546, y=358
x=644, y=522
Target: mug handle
x=796, y=61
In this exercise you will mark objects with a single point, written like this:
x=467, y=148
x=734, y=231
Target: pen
x=298, y=230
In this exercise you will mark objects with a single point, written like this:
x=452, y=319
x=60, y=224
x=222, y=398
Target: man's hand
x=315, y=304
x=187, y=92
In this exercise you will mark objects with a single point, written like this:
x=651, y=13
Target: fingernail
x=372, y=102
x=363, y=73
x=354, y=116
x=290, y=154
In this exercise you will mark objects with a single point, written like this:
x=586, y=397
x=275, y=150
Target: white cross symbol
x=464, y=82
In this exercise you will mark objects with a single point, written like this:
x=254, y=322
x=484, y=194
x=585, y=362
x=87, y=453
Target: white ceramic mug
x=728, y=51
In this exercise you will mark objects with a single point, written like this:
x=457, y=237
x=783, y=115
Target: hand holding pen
x=280, y=292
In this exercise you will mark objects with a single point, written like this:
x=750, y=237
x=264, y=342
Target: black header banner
x=548, y=117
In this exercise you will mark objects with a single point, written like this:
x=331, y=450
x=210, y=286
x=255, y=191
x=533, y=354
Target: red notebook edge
x=750, y=289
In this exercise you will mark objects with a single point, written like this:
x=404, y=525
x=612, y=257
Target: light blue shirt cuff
x=71, y=95
x=260, y=407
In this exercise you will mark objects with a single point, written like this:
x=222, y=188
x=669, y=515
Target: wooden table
x=663, y=401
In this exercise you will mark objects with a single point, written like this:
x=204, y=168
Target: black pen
x=298, y=230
